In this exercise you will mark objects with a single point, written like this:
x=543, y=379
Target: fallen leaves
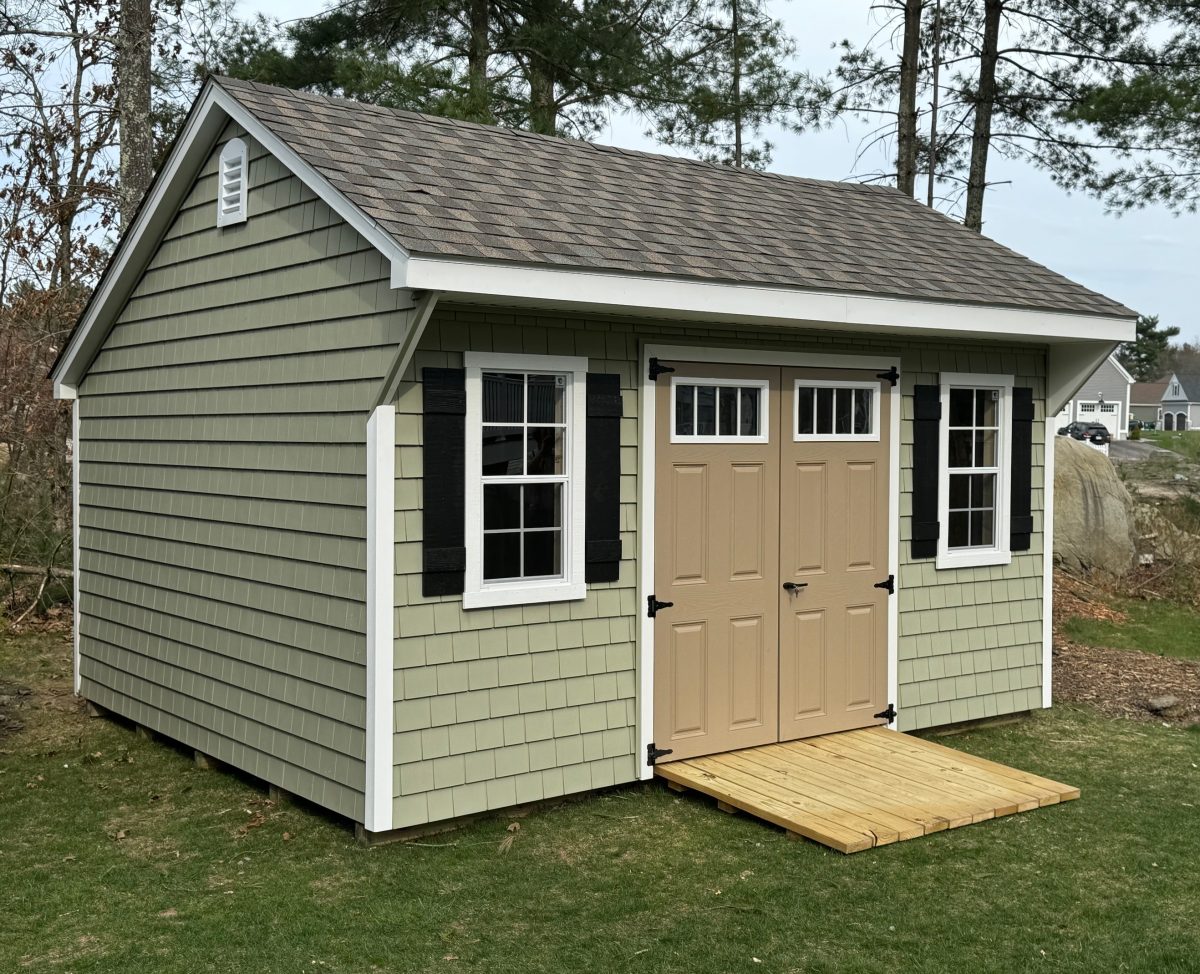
x=506, y=843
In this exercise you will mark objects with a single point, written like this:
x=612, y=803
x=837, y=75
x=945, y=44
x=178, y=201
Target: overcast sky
x=1147, y=259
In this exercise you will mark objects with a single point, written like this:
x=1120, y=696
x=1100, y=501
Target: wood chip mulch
x=1117, y=682
x=1120, y=682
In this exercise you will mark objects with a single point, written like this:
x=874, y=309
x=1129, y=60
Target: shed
x=425, y=468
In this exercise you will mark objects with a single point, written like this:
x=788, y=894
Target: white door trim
x=735, y=356
x=1048, y=561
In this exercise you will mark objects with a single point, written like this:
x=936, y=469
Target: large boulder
x=1093, y=512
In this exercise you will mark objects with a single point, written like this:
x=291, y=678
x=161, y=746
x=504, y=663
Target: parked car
x=1073, y=430
x=1094, y=433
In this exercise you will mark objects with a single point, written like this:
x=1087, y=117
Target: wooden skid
x=863, y=788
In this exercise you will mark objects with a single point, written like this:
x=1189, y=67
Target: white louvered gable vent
x=231, y=191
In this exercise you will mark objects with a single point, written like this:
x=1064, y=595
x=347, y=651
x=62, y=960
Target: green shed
x=425, y=468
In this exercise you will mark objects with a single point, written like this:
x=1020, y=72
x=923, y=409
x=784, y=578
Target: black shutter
x=443, y=454
x=927, y=418
x=603, y=482
x=1021, y=475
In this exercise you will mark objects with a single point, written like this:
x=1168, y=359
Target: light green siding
x=502, y=706
x=222, y=470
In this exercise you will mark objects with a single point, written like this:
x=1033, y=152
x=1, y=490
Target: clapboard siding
x=509, y=705
x=223, y=491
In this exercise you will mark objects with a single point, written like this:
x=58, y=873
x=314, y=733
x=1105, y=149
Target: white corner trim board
x=647, y=408
x=381, y=558
x=76, y=573
x=1048, y=561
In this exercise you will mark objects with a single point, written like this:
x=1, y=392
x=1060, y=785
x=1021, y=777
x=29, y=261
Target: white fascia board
x=698, y=300
x=214, y=108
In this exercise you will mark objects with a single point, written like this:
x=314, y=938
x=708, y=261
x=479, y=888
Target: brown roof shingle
x=444, y=187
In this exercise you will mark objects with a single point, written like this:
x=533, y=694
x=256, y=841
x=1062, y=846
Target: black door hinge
x=654, y=753
x=889, y=715
x=653, y=605
x=892, y=375
x=888, y=583
x=657, y=369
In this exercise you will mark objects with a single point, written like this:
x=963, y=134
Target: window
x=974, y=463
x=231, y=183
x=1174, y=390
x=836, y=410
x=719, y=410
x=525, y=479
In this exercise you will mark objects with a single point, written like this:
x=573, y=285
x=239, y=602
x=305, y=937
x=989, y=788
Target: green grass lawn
x=118, y=855
x=1164, y=628
x=1186, y=443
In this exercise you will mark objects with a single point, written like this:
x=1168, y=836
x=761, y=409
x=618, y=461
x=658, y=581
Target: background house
x=1103, y=398
x=1181, y=401
x=1145, y=401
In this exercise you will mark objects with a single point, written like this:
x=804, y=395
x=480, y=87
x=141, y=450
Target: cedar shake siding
x=508, y=705
x=222, y=494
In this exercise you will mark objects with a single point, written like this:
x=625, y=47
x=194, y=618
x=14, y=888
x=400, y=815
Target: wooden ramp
x=863, y=788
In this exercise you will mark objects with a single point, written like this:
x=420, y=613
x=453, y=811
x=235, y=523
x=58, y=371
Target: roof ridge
x=553, y=140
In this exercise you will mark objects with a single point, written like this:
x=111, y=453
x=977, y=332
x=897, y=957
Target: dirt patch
x=14, y=701
x=1120, y=682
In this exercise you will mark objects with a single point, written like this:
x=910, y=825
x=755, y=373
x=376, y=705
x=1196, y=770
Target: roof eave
x=659, y=296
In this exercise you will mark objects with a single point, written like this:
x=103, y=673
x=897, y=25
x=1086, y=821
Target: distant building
x=1104, y=398
x=1181, y=401
x=1145, y=401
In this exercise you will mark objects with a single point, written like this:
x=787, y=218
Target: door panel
x=716, y=660
x=834, y=504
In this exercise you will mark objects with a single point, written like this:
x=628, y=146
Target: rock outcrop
x=1093, y=512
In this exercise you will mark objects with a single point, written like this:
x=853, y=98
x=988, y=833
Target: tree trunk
x=736, y=61
x=935, y=102
x=906, y=119
x=477, y=60
x=543, y=112
x=985, y=103
x=133, y=104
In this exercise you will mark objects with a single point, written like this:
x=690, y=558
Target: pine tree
x=1146, y=356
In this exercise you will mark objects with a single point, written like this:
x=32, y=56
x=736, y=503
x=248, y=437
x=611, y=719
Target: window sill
x=972, y=559
x=489, y=598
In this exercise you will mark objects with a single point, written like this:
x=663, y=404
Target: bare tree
x=135, y=38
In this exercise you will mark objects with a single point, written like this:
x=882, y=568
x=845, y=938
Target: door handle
x=793, y=587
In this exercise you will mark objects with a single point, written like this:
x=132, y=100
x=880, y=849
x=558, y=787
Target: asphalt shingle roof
x=1191, y=386
x=455, y=189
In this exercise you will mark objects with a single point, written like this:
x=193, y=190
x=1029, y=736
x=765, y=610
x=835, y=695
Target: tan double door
x=769, y=547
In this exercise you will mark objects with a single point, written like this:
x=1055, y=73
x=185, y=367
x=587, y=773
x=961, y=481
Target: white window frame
x=799, y=437
x=998, y=553
x=478, y=594
x=233, y=153
x=764, y=411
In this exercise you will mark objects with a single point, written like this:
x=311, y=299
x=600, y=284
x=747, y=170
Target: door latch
x=793, y=587
x=653, y=605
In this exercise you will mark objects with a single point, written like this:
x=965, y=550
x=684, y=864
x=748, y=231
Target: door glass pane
x=842, y=409
x=543, y=553
x=543, y=505
x=502, y=451
x=749, y=412
x=727, y=413
x=706, y=411
x=825, y=410
x=502, y=555
x=863, y=411
x=805, y=399
x=685, y=404
x=545, y=445
x=501, y=506
x=503, y=397
x=546, y=399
